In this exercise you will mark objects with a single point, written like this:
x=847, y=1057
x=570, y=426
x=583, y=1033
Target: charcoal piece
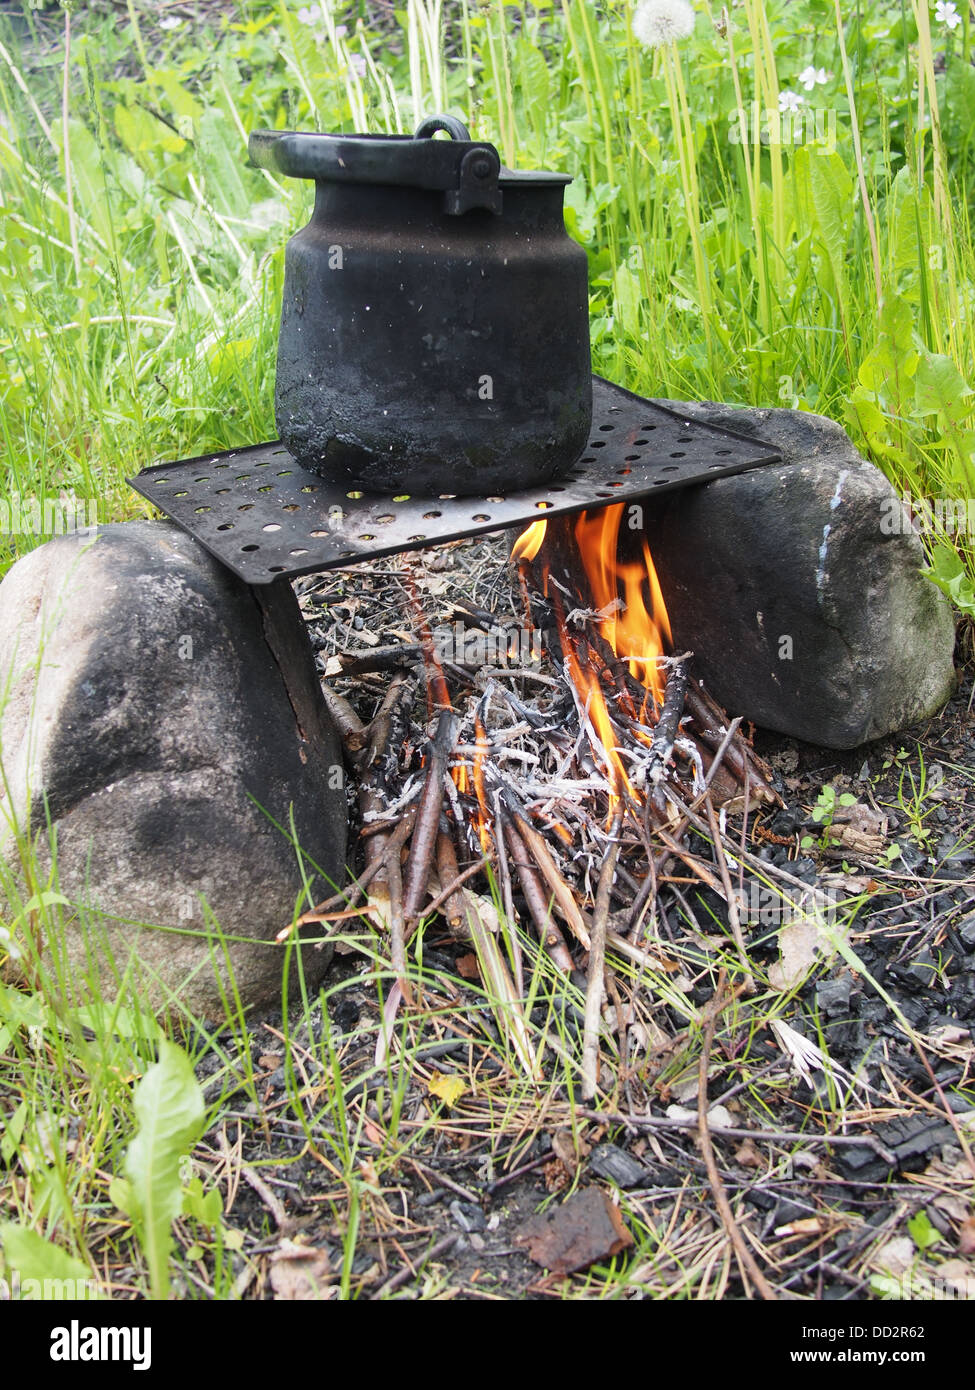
x=949, y=850
x=913, y=1136
x=910, y=856
x=870, y=1010
x=862, y=1164
x=345, y=1015
x=833, y=996
x=966, y=931
x=758, y=1197
x=922, y=973
x=910, y=1138
x=961, y=1001
x=787, y=821
x=913, y=1010
x=468, y=1217
x=787, y=1212
x=618, y=1166
x=843, y=1038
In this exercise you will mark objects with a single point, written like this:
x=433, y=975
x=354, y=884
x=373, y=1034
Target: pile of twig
x=487, y=794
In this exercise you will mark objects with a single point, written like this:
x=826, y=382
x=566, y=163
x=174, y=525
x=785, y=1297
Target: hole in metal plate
x=314, y=516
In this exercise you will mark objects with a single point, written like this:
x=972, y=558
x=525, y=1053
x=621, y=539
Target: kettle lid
x=468, y=172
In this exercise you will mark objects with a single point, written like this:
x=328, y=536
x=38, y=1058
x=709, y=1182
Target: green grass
x=141, y=273
x=142, y=260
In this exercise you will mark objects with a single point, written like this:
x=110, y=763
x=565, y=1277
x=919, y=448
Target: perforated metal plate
x=265, y=516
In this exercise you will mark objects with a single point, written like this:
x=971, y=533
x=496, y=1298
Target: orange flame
x=484, y=817
x=635, y=624
x=636, y=633
x=529, y=543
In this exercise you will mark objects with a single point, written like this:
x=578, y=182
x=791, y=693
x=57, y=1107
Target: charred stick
x=696, y=868
x=718, y=757
x=531, y=886
x=662, y=747
x=380, y=659
x=708, y=721
x=438, y=696
x=351, y=728
x=424, y=842
x=597, y=965
x=543, y=857
x=451, y=880
x=386, y=734
x=760, y=767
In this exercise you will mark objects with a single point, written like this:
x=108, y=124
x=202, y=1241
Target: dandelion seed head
x=656, y=22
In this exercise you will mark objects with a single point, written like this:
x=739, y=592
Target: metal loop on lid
x=456, y=129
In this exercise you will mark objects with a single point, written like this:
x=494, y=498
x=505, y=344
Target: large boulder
x=167, y=718
x=798, y=586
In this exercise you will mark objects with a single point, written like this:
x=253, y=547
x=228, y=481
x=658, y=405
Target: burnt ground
x=851, y=1177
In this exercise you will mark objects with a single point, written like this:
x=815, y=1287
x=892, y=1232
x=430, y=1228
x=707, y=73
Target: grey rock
x=159, y=711
x=798, y=587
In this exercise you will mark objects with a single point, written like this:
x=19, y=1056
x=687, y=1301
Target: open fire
x=575, y=794
x=629, y=613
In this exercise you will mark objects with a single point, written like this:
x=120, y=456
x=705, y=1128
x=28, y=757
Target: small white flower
x=812, y=77
x=790, y=101
x=341, y=30
x=358, y=64
x=170, y=22
x=946, y=13
x=656, y=22
x=309, y=14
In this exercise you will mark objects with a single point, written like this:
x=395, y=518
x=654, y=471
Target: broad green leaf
x=832, y=196
x=533, y=79
x=948, y=572
x=892, y=362
x=627, y=300
x=940, y=388
x=170, y=1111
x=35, y=1268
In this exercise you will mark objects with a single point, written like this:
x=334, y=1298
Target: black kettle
x=435, y=329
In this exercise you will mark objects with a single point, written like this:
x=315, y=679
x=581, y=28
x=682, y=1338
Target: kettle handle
x=454, y=128
x=465, y=171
